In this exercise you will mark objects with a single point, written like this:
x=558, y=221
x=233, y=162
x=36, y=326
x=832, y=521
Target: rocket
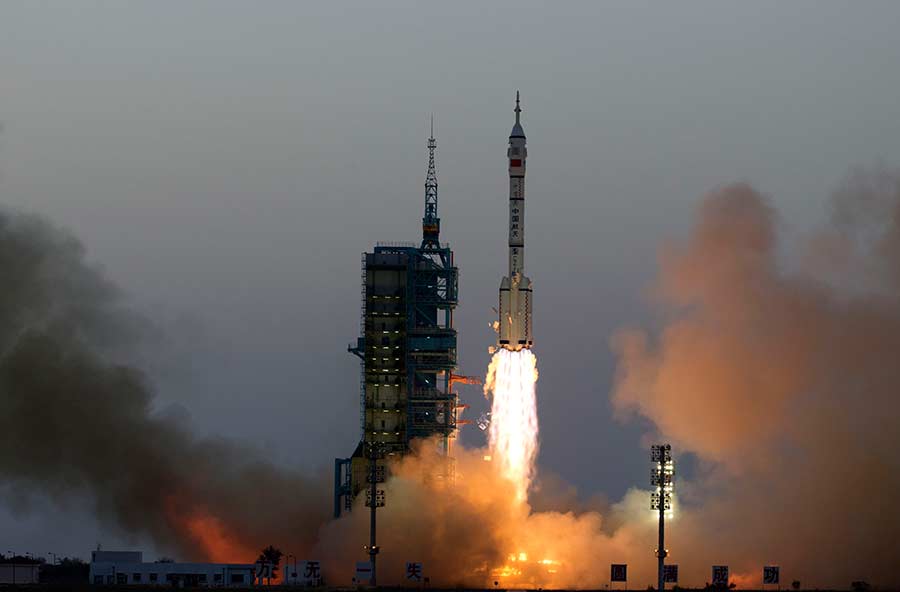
x=515, y=289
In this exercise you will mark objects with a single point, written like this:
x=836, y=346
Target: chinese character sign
x=261, y=571
x=720, y=575
x=312, y=573
x=670, y=574
x=414, y=572
x=363, y=572
x=618, y=572
x=770, y=574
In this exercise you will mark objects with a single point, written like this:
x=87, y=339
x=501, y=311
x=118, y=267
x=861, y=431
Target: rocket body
x=515, y=289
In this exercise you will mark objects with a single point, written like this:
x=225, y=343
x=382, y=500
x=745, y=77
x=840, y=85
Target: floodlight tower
x=375, y=500
x=663, y=477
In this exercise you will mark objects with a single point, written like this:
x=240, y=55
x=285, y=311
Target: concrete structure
x=407, y=349
x=515, y=289
x=20, y=573
x=128, y=567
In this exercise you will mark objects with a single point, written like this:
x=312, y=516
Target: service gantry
x=407, y=350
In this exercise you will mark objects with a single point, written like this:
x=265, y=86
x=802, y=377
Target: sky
x=227, y=162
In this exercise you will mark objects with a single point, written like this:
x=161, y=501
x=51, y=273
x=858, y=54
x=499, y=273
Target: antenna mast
x=431, y=224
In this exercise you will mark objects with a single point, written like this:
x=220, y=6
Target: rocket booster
x=515, y=289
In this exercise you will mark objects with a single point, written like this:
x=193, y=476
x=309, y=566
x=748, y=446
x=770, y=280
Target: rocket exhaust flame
x=513, y=430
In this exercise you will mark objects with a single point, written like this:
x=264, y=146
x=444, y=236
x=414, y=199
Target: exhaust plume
x=513, y=432
x=75, y=420
x=782, y=378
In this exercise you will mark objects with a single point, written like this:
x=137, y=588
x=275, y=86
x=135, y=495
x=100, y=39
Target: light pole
x=287, y=566
x=375, y=499
x=663, y=477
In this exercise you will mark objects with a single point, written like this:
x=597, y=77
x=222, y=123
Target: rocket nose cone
x=517, y=131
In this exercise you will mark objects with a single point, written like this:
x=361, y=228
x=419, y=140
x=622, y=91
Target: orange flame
x=215, y=540
x=218, y=543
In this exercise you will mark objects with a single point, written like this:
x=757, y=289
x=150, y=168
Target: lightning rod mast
x=431, y=224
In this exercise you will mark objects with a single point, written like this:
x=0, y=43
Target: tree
x=271, y=555
x=67, y=571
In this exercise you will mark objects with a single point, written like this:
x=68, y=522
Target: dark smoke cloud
x=785, y=383
x=75, y=420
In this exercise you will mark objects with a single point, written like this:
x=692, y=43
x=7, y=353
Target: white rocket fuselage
x=515, y=289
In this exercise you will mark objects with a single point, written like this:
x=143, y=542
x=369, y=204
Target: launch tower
x=407, y=349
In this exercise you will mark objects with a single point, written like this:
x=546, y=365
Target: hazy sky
x=227, y=163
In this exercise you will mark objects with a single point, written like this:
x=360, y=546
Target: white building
x=128, y=567
x=20, y=573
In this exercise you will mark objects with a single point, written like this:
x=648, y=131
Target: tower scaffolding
x=408, y=348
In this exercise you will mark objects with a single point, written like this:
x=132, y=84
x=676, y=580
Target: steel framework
x=407, y=346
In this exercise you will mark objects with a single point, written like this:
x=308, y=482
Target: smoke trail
x=513, y=433
x=784, y=382
x=74, y=420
